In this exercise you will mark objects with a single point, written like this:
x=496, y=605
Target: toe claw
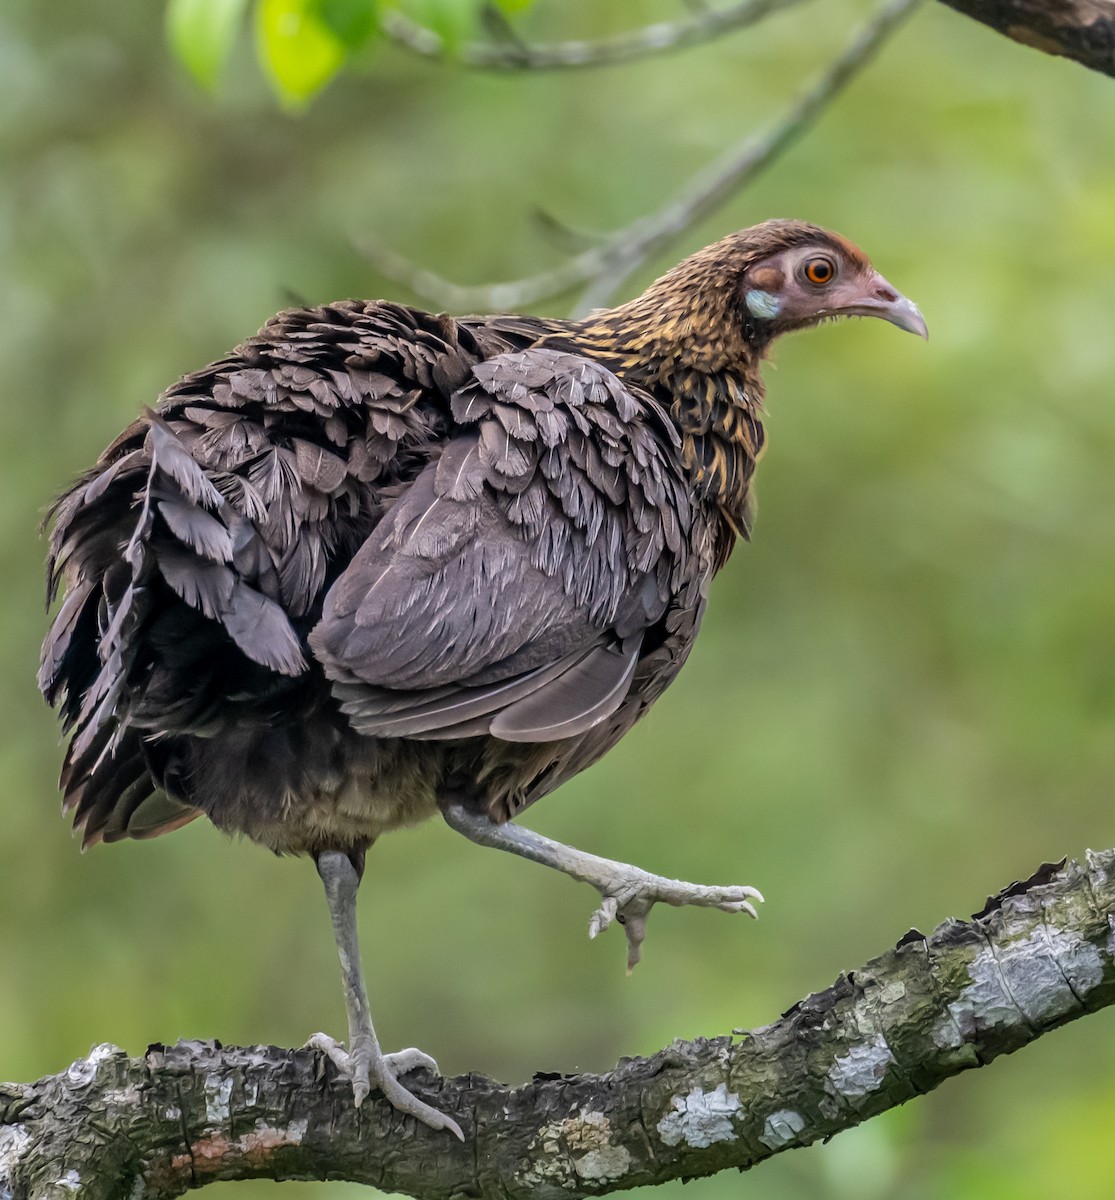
x=366, y=1067
x=634, y=955
x=451, y=1125
x=635, y=926
x=406, y=1102
x=332, y=1049
x=403, y=1062
x=604, y=916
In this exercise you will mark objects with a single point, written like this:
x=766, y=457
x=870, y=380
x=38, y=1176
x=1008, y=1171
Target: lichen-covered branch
x=1040, y=954
x=602, y=268
x=511, y=54
x=1083, y=30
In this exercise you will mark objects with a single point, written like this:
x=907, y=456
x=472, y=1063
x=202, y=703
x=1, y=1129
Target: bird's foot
x=629, y=893
x=367, y=1067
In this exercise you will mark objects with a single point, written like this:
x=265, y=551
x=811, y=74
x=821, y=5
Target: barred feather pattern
x=372, y=554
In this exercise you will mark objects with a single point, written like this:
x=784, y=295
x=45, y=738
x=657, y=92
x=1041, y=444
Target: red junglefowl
x=378, y=564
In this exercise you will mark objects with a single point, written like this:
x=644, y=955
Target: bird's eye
x=820, y=270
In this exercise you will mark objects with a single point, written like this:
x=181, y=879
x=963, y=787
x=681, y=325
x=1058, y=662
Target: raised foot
x=629, y=893
x=367, y=1067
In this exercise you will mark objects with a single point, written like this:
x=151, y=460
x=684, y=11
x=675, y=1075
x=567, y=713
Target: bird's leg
x=364, y=1062
x=627, y=892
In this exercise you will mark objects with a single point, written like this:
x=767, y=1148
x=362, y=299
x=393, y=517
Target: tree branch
x=606, y=266
x=1083, y=30
x=515, y=55
x=1040, y=954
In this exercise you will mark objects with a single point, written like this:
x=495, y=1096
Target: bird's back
x=370, y=553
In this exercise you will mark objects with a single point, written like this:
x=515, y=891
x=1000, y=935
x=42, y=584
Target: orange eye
x=819, y=270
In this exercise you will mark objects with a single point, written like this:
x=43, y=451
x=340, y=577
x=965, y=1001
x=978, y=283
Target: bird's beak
x=904, y=313
x=884, y=301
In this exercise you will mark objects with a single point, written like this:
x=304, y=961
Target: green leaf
x=201, y=34
x=510, y=7
x=353, y=21
x=299, y=50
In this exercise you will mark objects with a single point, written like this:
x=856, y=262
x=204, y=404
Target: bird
x=378, y=564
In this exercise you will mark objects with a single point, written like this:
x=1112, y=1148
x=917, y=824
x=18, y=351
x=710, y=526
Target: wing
x=510, y=589
x=197, y=552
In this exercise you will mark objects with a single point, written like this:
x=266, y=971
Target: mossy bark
x=1040, y=954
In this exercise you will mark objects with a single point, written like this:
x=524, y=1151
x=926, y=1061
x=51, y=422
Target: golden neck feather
x=701, y=368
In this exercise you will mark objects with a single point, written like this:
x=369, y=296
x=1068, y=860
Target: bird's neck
x=710, y=384
x=722, y=437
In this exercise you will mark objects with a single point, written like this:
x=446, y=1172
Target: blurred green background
x=904, y=694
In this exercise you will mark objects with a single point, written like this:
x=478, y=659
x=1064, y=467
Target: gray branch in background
x=1080, y=29
x=511, y=54
x=1040, y=954
x=1083, y=30
x=602, y=269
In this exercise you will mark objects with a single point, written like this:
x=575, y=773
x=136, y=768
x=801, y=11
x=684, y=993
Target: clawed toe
x=353, y=1066
x=402, y=1062
x=603, y=917
x=364, y=1067
x=332, y=1049
x=629, y=902
x=737, y=899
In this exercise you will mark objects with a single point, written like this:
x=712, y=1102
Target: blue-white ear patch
x=763, y=304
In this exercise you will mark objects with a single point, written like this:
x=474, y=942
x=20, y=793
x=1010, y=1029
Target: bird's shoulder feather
x=522, y=569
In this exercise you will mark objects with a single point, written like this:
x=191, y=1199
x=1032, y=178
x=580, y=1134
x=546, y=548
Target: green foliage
x=353, y=22
x=202, y=33
x=302, y=45
x=299, y=49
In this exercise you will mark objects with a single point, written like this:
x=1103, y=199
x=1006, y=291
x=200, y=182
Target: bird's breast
x=355, y=811
x=312, y=787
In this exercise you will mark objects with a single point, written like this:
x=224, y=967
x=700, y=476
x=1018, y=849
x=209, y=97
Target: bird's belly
x=304, y=789
x=357, y=811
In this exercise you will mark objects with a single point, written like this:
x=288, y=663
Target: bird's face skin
x=803, y=285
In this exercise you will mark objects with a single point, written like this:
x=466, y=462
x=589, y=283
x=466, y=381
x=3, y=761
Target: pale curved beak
x=885, y=302
x=906, y=315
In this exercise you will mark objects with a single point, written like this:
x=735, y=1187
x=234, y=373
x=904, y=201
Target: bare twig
x=514, y=55
x=606, y=266
x=743, y=162
x=1037, y=956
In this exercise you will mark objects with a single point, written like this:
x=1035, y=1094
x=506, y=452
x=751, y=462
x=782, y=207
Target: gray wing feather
x=508, y=589
x=578, y=699
x=410, y=714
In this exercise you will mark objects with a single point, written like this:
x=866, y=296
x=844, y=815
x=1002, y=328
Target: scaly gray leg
x=627, y=892
x=365, y=1063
